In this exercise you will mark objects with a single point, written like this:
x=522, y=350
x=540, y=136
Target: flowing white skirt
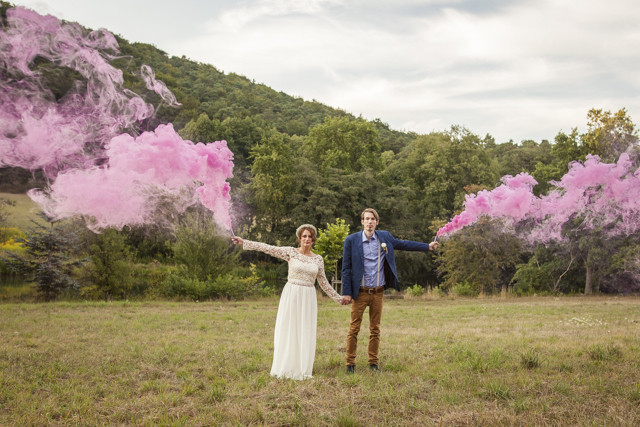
x=294, y=339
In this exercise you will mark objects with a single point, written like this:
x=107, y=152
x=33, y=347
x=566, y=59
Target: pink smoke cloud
x=39, y=131
x=142, y=172
x=110, y=178
x=602, y=195
x=512, y=200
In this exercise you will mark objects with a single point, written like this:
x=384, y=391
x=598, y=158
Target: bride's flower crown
x=303, y=226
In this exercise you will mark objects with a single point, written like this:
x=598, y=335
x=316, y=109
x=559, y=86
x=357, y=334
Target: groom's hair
x=371, y=211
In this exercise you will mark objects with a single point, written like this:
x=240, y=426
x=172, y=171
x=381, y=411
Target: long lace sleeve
x=324, y=283
x=275, y=251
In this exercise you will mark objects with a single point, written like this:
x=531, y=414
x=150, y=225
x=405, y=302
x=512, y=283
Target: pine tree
x=47, y=260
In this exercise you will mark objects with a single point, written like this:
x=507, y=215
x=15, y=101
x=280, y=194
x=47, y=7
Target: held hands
x=346, y=300
x=433, y=246
x=237, y=240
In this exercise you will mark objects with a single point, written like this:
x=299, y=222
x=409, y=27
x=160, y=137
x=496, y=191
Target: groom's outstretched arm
x=411, y=245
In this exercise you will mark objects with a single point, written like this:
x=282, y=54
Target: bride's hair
x=309, y=227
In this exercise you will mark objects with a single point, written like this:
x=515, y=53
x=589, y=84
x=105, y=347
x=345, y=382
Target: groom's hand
x=346, y=300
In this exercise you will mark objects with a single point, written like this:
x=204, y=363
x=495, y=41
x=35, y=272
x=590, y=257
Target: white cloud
x=239, y=18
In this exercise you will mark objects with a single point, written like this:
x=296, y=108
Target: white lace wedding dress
x=294, y=338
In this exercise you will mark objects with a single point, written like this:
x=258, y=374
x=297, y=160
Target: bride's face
x=306, y=239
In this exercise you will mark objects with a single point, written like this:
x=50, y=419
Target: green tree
x=203, y=129
x=609, y=134
x=594, y=249
x=511, y=159
x=150, y=242
x=200, y=251
x=437, y=167
x=322, y=197
x=551, y=268
x=585, y=261
x=350, y=145
x=622, y=274
x=48, y=259
x=241, y=134
x=272, y=189
x=330, y=243
x=567, y=148
x=110, y=271
x=482, y=255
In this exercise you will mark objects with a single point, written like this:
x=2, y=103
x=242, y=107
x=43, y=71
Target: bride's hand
x=237, y=240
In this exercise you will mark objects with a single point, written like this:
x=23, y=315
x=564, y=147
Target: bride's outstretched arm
x=275, y=251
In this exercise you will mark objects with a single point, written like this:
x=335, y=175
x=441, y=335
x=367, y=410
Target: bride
x=294, y=338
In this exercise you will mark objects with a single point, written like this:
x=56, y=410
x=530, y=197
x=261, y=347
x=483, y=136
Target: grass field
x=515, y=361
x=22, y=213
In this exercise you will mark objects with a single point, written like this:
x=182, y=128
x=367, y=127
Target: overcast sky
x=514, y=69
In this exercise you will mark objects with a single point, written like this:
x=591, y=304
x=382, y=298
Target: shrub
x=10, y=245
x=202, y=251
x=464, y=289
x=8, y=236
x=148, y=279
x=416, y=290
x=110, y=270
x=143, y=280
x=272, y=275
x=181, y=284
x=8, y=275
x=329, y=245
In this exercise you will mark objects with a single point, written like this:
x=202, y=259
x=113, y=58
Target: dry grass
x=22, y=213
x=529, y=361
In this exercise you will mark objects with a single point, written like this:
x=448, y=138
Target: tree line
x=299, y=161
x=327, y=177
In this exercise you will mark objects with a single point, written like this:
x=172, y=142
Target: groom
x=368, y=268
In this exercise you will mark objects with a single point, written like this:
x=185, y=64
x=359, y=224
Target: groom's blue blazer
x=353, y=260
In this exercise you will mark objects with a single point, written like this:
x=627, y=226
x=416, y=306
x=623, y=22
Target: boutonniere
x=384, y=247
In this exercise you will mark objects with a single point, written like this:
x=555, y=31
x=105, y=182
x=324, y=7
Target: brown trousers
x=374, y=302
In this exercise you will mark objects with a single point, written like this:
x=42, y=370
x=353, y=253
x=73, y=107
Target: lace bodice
x=303, y=270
